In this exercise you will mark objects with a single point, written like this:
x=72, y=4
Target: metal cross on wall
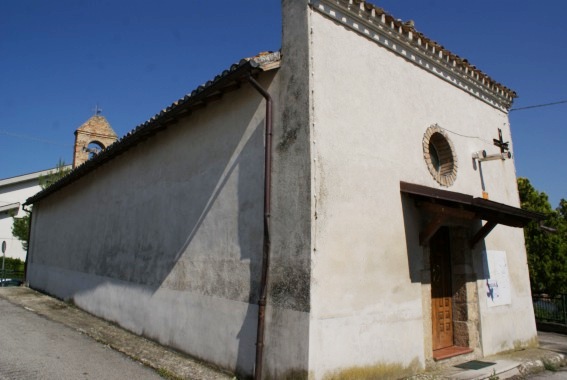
x=500, y=142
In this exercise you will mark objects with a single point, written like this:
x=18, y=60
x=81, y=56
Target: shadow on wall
x=414, y=222
x=412, y=226
x=19, y=186
x=5, y=215
x=250, y=238
x=205, y=239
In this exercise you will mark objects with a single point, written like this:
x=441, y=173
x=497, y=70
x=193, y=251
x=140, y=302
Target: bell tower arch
x=92, y=137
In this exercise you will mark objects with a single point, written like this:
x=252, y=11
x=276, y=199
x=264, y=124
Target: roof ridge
x=264, y=61
x=261, y=60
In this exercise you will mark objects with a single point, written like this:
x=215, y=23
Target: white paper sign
x=498, y=282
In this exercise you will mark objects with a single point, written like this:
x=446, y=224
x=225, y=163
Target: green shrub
x=14, y=267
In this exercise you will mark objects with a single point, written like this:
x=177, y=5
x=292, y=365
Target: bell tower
x=92, y=137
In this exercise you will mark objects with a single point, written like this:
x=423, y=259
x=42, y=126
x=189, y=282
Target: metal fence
x=11, y=277
x=11, y=273
x=550, y=309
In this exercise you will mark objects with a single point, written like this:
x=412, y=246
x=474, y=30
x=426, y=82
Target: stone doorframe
x=466, y=318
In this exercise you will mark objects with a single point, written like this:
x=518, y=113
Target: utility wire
x=5, y=133
x=467, y=136
x=539, y=105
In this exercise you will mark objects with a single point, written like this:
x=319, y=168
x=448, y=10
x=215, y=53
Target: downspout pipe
x=266, y=245
x=29, y=239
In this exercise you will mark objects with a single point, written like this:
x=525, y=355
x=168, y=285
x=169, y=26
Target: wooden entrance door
x=441, y=292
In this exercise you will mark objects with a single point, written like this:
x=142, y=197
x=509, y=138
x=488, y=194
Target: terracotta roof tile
x=203, y=93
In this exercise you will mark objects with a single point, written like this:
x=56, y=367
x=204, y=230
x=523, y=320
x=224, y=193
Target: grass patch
x=494, y=376
x=375, y=372
x=168, y=374
x=549, y=366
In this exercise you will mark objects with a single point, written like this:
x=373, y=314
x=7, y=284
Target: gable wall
x=166, y=239
x=371, y=109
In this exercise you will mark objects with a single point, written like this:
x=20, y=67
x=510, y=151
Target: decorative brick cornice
x=402, y=39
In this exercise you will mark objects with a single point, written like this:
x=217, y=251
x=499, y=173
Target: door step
x=449, y=352
x=480, y=370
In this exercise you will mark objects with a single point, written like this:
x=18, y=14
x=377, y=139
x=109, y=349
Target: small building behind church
x=13, y=193
x=348, y=204
x=90, y=139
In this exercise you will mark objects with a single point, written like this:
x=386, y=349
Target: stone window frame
x=446, y=173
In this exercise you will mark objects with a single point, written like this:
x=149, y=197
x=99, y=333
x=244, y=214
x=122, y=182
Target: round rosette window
x=440, y=156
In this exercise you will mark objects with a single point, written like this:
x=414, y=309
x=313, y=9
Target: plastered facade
x=371, y=109
x=169, y=236
x=14, y=191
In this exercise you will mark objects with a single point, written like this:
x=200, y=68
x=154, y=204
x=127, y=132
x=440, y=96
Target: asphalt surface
x=44, y=338
x=557, y=375
x=33, y=347
x=107, y=336
x=553, y=342
x=556, y=343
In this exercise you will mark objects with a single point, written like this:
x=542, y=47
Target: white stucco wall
x=286, y=354
x=371, y=109
x=16, y=190
x=166, y=239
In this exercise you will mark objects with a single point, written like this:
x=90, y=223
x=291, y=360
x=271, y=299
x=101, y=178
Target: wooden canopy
x=443, y=204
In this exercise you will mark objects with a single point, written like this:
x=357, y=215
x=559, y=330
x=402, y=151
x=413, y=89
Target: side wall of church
x=371, y=109
x=166, y=239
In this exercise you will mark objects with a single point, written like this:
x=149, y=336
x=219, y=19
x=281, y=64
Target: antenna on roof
x=97, y=110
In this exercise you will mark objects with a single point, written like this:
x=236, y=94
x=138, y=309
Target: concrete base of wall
x=218, y=331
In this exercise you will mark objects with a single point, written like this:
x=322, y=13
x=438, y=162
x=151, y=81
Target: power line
x=467, y=136
x=38, y=139
x=538, y=106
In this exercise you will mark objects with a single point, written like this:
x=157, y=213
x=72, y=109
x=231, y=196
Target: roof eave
x=10, y=207
x=404, y=40
x=226, y=81
x=484, y=209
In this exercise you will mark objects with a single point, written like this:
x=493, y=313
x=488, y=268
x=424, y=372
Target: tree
x=546, y=246
x=562, y=209
x=21, y=230
x=21, y=226
x=55, y=175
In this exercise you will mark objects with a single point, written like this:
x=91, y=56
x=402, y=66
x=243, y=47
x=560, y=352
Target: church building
x=346, y=204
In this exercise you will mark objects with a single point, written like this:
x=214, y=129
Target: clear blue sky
x=60, y=58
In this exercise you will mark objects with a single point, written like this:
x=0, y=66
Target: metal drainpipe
x=27, y=250
x=266, y=245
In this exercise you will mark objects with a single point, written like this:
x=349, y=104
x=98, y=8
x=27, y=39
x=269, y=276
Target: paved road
x=557, y=375
x=32, y=347
x=552, y=342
